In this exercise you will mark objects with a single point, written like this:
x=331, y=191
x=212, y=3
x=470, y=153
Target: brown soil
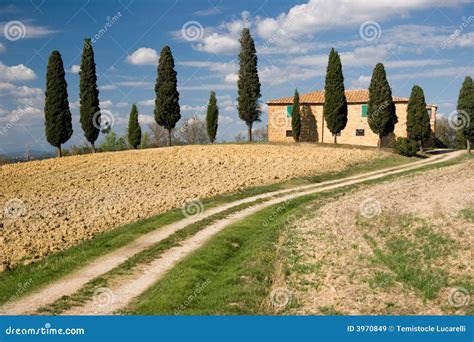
x=61, y=202
x=333, y=264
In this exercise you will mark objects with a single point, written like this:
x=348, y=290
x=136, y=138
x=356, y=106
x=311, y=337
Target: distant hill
x=18, y=157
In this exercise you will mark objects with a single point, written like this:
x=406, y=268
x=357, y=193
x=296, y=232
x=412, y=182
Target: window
x=430, y=111
x=364, y=110
x=289, y=110
x=289, y=133
x=360, y=132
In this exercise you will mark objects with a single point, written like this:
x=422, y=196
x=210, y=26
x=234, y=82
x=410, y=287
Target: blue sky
x=424, y=42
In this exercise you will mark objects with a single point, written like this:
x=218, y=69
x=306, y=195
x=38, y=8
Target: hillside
x=64, y=201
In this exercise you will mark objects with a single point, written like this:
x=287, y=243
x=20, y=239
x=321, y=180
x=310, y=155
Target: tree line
x=381, y=115
x=58, y=119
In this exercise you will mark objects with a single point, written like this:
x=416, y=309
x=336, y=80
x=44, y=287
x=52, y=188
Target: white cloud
x=188, y=108
x=74, y=105
x=16, y=73
x=362, y=82
x=218, y=43
x=225, y=120
x=106, y=104
x=75, y=69
x=121, y=105
x=11, y=90
x=451, y=72
x=147, y=103
x=135, y=84
x=231, y=78
x=26, y=112
x=143, y=56
x=108, y=87
x=317, y=15
x=146, y=119
x=208, y=11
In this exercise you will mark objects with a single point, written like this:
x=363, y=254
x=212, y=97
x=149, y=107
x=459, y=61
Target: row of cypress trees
x=381, y=114
x=58, y=121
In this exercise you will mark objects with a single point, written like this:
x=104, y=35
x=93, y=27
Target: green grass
x=237, y=265
x=57, y=265
x=143, y=257
x=412, y=254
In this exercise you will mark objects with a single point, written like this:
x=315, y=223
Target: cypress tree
x=167, y=111
x=335, y=102
x=248, y=83
x=58, y=122
x=134, y=130
x=296, y=117
x=465, y=109
x=212, y=117
x=89, y=95
x=418, y=120
x=381, y=114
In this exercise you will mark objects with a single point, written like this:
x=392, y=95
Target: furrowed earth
x=53, y=204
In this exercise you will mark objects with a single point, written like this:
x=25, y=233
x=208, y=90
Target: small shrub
x=405, y=147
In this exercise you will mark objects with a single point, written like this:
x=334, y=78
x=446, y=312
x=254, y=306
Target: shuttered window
x=364, y=111
x=289, y=110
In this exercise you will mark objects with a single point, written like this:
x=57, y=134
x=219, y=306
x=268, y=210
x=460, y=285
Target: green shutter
x=364, y=111
x=289, y=110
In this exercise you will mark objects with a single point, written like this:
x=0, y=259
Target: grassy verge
x=233, y=272
x=25, y=279
x=141, y=258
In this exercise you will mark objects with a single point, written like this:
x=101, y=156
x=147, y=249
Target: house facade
x=314, y=128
